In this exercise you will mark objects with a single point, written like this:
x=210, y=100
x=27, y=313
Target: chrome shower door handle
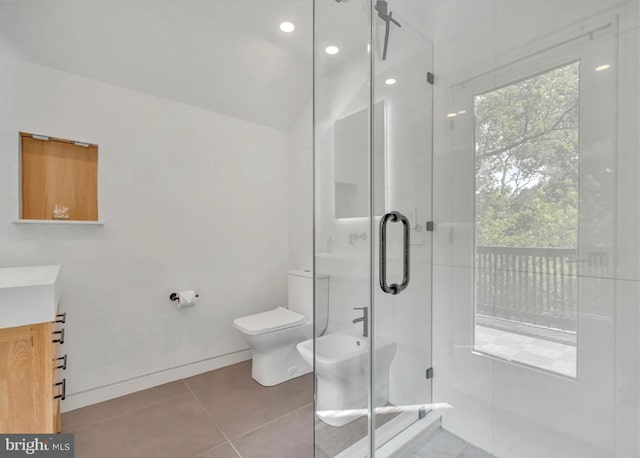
x=394, y=288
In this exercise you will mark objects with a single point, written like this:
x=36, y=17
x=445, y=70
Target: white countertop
x=28, y=295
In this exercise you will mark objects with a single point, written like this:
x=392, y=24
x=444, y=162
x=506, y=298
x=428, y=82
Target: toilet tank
x=301, y=295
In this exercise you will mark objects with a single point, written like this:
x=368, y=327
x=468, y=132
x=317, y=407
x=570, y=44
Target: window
x=526, y=196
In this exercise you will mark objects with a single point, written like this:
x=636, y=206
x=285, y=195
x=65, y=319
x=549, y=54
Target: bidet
x=342, y=371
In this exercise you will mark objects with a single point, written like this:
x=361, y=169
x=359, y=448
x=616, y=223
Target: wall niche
x=59, y=179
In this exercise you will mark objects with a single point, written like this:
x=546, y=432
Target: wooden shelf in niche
x=59, y=172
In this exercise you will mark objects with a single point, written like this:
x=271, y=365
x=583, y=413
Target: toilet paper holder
x=174, y=297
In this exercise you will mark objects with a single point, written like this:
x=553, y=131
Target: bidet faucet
x=364, y=319
x=355, y=236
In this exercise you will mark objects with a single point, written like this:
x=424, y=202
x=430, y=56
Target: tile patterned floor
x=443, y=444
x=226, y=414
x=544, y=354
x=218, y=414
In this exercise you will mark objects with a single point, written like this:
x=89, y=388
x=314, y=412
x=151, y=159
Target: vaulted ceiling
x=230, y=56
x=227, y=56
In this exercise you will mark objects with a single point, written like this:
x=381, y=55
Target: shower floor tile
x=443, y=444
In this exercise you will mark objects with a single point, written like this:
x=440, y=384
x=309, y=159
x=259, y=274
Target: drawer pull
x=61, y=339
x=63, y=366
x=63, y=391
x=61, y=317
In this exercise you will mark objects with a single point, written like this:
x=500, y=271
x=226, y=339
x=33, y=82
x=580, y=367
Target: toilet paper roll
x=186, y=298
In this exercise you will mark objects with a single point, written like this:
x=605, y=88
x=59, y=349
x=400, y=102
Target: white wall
x=191, y=200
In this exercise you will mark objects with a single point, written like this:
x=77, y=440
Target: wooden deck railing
x=528, y=285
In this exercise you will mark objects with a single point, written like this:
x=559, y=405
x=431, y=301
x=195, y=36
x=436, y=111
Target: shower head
x=382, y=7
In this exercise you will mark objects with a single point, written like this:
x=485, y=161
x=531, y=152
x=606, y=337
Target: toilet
x=273, y=335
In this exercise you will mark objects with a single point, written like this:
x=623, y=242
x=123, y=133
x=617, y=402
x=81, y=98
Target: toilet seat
x=273, y=320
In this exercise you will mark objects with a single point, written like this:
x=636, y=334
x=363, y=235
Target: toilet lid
x=279, y=318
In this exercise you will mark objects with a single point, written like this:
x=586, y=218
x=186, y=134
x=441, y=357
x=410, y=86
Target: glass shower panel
x=342, y=221
x=536, y=286
x=403, y=76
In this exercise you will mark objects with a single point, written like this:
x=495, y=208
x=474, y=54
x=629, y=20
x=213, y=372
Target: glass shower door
x=403, y=88
x=372, y=167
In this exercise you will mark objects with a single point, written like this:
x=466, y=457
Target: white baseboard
x=115, y=390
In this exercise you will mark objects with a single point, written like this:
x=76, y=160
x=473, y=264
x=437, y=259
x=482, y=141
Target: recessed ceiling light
x=603, y=67
x=331, y=49
x=452, y=115
x=390, y=81
x=287, y=27
x=462, y=112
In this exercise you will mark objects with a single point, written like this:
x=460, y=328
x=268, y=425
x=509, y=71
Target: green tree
x=527, y=142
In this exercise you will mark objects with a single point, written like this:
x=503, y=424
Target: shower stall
x=476, y=209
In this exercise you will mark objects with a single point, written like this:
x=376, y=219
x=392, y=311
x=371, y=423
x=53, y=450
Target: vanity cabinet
x=31, y=381
x=31, y=358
